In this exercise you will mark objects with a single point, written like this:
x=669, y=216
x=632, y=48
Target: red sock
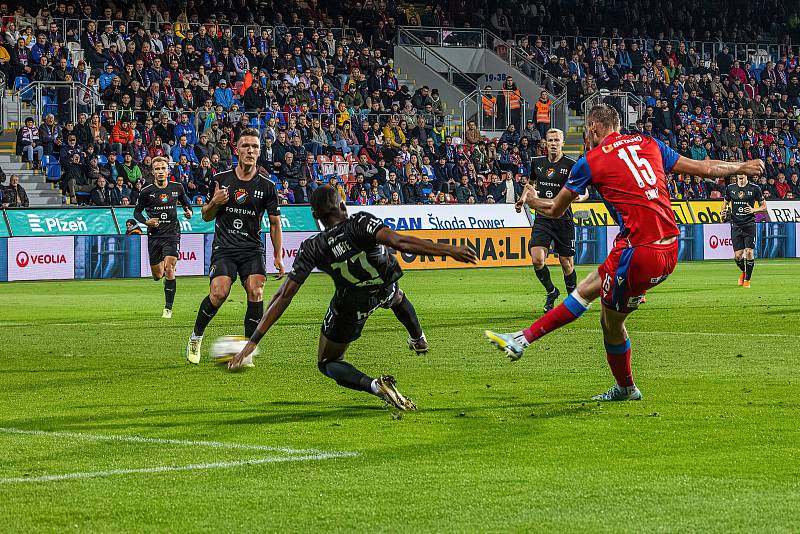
x=619, y=360
x=563, y=314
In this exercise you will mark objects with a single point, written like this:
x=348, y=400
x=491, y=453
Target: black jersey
x=349, y=253
x=548, y=178
x=740, y=197
x=161, y=203
x=238, y=224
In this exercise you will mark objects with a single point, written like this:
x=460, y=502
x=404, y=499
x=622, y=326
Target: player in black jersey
x=741, y=202
x=355, y=252
x=548, y=175
x=241, y=196
x=160, y=200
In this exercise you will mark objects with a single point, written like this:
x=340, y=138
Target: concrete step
x=49, y=201
x=38, y=186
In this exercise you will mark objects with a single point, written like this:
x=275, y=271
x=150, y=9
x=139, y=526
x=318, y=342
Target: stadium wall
x=89, y=243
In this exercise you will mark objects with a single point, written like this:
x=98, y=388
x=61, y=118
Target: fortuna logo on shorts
x=240, y=196
x=23, y=259
x=164, y=198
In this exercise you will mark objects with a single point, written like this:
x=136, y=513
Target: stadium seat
x=342, y=166
x=49, y=160
x=53, y=173
x=326, y=165
x=21, y=82
x=102, y=159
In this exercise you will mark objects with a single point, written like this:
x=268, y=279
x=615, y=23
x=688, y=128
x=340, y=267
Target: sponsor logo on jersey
x=240, y=195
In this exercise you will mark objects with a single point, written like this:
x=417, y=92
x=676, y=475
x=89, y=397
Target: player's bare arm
x=276, y=235
x=219, y=199
x=277, y=305
x=553, y=208
x=415, y=245
x=712, y=168
x=187, y=205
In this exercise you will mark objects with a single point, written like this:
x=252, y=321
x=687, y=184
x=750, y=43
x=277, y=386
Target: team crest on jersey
x=164, y=198
x=550, y=172
x=740, y=194
x=240, y=196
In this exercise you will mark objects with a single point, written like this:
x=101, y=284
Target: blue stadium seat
x=83, y=197
x=53, y=173
x=49, y=160
x=20, y=82
x=254, y=122
x=102, y=159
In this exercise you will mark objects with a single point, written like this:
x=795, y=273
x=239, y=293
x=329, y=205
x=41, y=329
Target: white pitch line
x=169, y=469
x=713, y=334
x=162, y=441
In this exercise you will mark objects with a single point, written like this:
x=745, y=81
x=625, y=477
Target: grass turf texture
x=495, y=446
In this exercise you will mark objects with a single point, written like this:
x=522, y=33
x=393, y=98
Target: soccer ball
x=225, y=348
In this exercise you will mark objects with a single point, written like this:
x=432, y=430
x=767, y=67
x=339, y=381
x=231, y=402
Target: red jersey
x=629, y=171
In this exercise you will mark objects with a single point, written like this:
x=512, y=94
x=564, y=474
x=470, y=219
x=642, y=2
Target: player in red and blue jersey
x=629, y=172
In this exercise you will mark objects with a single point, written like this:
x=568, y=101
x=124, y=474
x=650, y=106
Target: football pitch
x=105, y=427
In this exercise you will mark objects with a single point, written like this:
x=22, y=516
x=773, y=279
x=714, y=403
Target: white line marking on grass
x=294, y=455
x=713, y=334
x=162, y=441
x=171, y=468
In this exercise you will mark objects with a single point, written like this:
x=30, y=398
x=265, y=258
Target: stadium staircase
x=34, y=181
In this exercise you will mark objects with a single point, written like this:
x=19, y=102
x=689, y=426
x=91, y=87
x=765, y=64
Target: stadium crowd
x=182, y=80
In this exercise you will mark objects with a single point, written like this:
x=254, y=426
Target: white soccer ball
x=226, y=347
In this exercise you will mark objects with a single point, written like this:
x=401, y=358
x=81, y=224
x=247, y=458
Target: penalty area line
x=165, y=441
x=171, y=468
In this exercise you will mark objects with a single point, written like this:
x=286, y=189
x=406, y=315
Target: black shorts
x=237, y=262
x=159, y=248
x=557, y=232
x=743, y=236
x=349, y=311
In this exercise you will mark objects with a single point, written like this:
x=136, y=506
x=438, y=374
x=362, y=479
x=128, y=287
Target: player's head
x=327, y=204
x=601, y=120
x=555, y=141
x=741, y=180
x=249, y=147
x=160, y=168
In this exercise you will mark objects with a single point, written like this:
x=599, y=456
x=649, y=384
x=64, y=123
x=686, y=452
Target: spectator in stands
x=100, y=196
x=28, y=143
x=74, y=179
x=14, y=196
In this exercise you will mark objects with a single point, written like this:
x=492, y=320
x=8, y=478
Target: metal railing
x=433, y=60
x=756, y=52
x=491, y=112
x=59, y=98
x=629, y=106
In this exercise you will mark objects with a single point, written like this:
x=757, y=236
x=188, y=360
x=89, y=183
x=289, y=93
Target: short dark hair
x=325, y=200
x=605, y=115
x=249, y=132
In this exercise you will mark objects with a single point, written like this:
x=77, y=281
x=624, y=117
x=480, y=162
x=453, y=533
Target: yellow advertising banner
x=500, y=247
x=706, y=211
x=596, y=214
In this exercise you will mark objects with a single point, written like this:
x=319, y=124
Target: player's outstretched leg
x=406, y=314
x=749, y=264
x=220, y=287
x=331, y=364
x=575, y=305
x=170, y=285
x=618, y=354
x=539, y=259
x=738, y=257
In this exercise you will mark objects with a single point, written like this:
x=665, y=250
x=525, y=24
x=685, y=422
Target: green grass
x=495, y=446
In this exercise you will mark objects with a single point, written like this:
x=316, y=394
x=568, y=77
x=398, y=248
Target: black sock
x=407, y=315
x=748, y=272
x=252, y=317
x=169, y=293
x=206, y=312
x=571, y=281
x=740, y=263
x=346, y=375
x=543, y=275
